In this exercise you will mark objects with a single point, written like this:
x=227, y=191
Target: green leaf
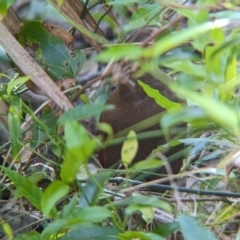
x=161, y=100
x=79, y=148
x=145, y=14
x=6, y=229
x=129, y=149
x=193, y=115
x=186, y=66
x=214, y=61
x=165, y=229
x=139, y=235
x=91, y=214
x=146, y=164
x=219, y=112
x=16, y=82
x=84, y=111
x=54, y=192
x=15, y=133
x=171, y=41
x=34, y=178
x=68, y=208
x=29, y=190
x=4, y=5
x=94, y=188
x=94, y=232
x=151, y=201
x=118, y=52
x=46, y=127
x=146, y=211
x=191, y=229
x=31, y=235
x=58, y=226
x=50, y=51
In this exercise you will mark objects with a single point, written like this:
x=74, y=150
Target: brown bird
x=132, y=106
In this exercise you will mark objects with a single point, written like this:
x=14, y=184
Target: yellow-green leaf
x=129, y=149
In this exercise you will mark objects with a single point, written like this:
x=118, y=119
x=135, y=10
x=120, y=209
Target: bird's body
x=132, y=106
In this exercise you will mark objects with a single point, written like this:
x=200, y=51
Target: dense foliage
x=194, y=51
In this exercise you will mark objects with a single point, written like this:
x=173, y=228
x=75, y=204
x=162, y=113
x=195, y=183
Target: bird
x=133, y=105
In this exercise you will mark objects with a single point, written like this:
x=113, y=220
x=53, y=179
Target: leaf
x=214, y=63
x=31, y=235
x=34, y=178
x=15, y=134
x=129, y=149
x=4, y=5
x=6, y=229
x=68, y=208
x=146, y=211
x=93, y=188
x=191, y=229
x=222, y=114
x=147, y=164
x=92, y=214
x=50, y=51
x=16, y=82
x=165, y=229
x=84, y=111
x=54, y=192
x=171, y=41
x=94, y=232
x=145, y=14
x=161, y=100
x=46, y=126
x=152, y=201
x=139, y=235
x=58, y=226
x=118, y=52
x=29, y=190
x=79, y=148
x=186, y=66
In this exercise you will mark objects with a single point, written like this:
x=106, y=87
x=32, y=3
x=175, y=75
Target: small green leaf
x=143, y=15
x=146, y=211
x=58, y=226
x=105, y=128
x=79, y=148
x=93, y=188
x=84, y=111
x=92, y=232
x=31, y=235
x=118, y=52
x=147, y=164
x=191, y=229
x=29, y=190
x=54, y=192
x=15, y=132
x=129, y=149
x=147, y=214
x=91, y=214
x=68, y=208
x=165, y=229
x=139, y=235
x=4, y=5
x=6, y=229
x=222, y=114
x=159, y=98
x=152, y=201
x=16, y=82
x=170, y=41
